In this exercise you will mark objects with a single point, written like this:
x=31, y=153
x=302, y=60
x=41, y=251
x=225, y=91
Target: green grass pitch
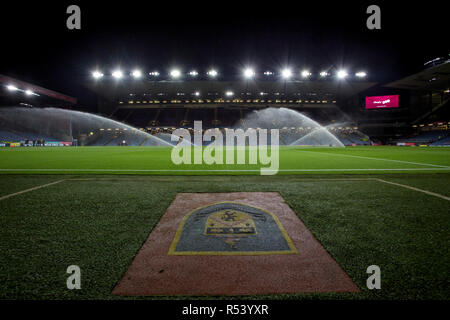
x=356, y=201
x=157, y=160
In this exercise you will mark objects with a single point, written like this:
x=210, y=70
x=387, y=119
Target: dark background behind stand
x=228, y=35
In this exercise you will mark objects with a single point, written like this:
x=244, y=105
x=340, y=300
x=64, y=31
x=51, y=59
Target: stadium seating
x=13, y=137
x=10, y=137
x=427, y=137
x=445, y=142
x=349, y=138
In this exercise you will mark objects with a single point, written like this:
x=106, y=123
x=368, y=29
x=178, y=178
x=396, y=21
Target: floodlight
x=12, y=88
x=342, y=74
x=193, y=73
x=136, y=73
x=249, y=73
x=229, y=93
x=29, y=92
x=117, y=74
x=196, y=93
x=212, y=73
x=361, y=74
x=323, y=74
x=97, y=74
x=306, y=73
x=175, y=73
x=154, y=73
x=268, y=73
x=286, y=73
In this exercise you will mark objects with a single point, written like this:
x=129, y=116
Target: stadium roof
x=12, y=84
x=112, y=90
x=436, y=78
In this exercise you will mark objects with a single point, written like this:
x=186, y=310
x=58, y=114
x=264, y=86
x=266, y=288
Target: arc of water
x=309, y=135
x=290, y=118
x=73, y=115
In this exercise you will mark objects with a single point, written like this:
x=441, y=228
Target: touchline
x=218, y=152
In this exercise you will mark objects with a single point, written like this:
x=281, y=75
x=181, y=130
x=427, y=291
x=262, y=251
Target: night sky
x=227, y=35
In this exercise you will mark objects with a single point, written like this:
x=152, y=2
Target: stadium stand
x=6, y=136
x=349, y=138
x=9, y=137
x=434, y=137
x=445, y=142
x=100, y=139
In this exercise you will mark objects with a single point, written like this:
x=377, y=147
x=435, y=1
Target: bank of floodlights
x=306, y=74
x=361, y=74
x=212, y=73
x=249, y=73
x=97, y=74
x=27, y=92
x=342, y=74
x=117, y=74
x=286, y=73
x=175, y=73
x=136, y=73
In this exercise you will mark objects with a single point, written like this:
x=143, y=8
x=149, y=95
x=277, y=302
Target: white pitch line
x=366, y=179
x=227, y=170
x=31, y=189
x=362, y=169
x=415, y=189
x=381, y=159
x=157, y=178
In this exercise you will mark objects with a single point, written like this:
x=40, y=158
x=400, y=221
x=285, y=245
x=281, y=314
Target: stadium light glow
x=136, y=74
x=212, y=73
x=154, y=73
x=117, y=74
x=286, y=73
x=268, y=73
x=306, y=73
x=361, y=74
x=193, y=73
x=97, y=74
x=29, y=92
x=196, y=93
x=12, y=88
x=249, y=73
x=175, y=73
x=342, y=74
x=229, y=93
x=323, y=74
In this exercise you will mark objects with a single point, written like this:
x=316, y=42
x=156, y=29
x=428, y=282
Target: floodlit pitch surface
x=157, y=160
x=398, y=220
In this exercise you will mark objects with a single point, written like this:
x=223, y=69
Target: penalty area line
x=380, y=159
x=414, y=188
x=30, y=189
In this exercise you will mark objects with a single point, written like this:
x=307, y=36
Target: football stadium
x=269, y=182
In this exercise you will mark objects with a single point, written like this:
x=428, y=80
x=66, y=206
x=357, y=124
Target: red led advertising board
x=382, y=102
